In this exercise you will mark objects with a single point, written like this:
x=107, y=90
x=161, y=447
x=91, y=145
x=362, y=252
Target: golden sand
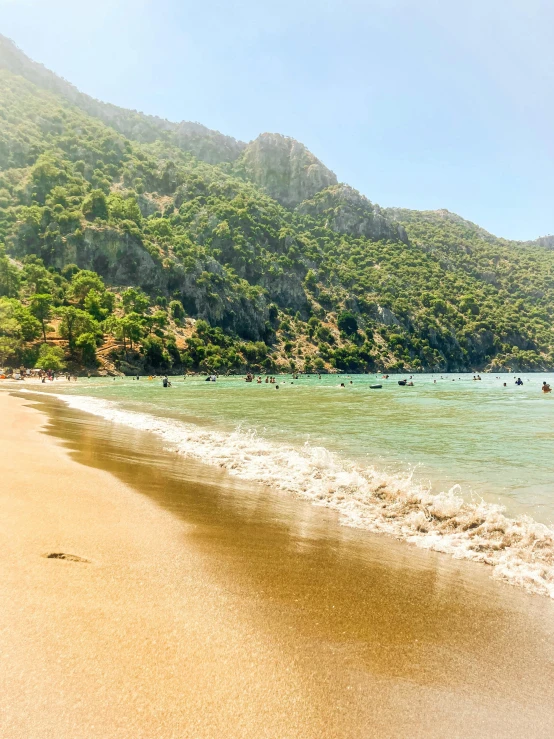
x=132, y=640
x=177, y=608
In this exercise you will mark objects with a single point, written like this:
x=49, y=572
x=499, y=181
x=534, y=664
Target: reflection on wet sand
x=392, y=641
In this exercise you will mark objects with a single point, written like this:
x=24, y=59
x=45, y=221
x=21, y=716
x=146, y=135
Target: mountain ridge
x=134, y=124
x=191, y=136
x=267, y=260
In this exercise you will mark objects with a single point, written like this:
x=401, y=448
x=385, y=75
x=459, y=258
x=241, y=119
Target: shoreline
x=518, y=549
x=213, y=612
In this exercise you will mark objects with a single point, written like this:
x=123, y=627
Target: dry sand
x=190, y=611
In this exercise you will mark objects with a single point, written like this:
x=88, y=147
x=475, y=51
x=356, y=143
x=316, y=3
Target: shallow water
x=496, y=442
x=342, y=446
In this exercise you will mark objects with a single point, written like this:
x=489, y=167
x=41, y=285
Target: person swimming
x=546, y=388
x=519, y=381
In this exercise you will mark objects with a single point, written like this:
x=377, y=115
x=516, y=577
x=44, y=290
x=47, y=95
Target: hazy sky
x=421, y=104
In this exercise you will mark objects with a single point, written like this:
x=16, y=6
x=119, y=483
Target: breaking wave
x=520, y=551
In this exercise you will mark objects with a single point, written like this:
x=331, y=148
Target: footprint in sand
x=63, y=555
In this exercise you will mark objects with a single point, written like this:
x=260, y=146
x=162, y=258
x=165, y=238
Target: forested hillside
x=129, y=243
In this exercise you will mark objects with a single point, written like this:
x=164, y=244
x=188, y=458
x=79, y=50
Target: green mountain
x=169, y=245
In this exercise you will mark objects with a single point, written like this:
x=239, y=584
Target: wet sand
x=212, y=609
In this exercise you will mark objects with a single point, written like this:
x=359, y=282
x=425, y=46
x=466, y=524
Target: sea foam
x=520, y=551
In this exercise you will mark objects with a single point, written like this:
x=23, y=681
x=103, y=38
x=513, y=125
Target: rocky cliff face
x=121, y=259
x=346, y=211
x=285, y=169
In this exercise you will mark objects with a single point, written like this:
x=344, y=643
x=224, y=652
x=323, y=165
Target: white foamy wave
x=521, y=551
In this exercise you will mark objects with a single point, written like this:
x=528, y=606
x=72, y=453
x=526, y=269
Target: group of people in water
x=50, y=376
x=272, y=380
x=269, y=379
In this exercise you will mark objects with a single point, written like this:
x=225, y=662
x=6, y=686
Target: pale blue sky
x=429, y=104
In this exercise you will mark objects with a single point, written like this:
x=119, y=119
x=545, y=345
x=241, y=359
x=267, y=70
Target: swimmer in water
x=546, y=388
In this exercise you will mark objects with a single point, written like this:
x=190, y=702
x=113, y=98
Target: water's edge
x=520, y=551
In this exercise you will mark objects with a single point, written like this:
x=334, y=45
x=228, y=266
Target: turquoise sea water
x=493, y=441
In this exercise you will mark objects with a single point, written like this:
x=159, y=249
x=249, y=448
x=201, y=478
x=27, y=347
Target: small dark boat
x=375, y=387
x=402, y=382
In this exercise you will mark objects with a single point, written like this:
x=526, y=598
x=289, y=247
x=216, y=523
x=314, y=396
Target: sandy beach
x=131, y=640
x=180, y=609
